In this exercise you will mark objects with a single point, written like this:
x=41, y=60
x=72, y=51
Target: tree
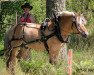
x=54, y=5
x=57, y=6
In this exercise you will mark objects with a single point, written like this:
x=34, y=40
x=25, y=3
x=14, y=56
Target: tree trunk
x=57, y=6
x=54, y=6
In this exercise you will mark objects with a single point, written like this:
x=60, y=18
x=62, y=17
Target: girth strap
x=46, y=46
x=43, y=37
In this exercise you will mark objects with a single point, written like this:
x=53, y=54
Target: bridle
x=74, y=23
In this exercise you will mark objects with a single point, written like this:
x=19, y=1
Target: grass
x=39, y=65
x=82, y=65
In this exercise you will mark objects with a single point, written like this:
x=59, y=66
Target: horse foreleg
x=24, y=53
x=53, y=54
x=11, y=62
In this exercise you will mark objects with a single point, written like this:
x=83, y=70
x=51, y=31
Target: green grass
x=39, y=65
x=83, y=64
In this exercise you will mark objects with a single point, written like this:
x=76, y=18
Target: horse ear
x=78, y=14
x=82, y=14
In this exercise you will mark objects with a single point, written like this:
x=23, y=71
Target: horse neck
x=66, y=25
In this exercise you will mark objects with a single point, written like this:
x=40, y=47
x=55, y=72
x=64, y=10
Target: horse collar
x=57, y=30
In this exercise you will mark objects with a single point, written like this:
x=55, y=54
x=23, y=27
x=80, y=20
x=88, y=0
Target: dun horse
x=30, y=36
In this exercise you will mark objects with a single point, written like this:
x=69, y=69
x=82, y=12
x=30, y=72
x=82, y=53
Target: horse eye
x=82, y=20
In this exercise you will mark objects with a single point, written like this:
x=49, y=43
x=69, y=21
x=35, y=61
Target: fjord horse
x=28, y=36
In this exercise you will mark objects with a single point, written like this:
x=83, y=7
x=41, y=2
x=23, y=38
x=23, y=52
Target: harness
x=44, y=38
x=57, y=30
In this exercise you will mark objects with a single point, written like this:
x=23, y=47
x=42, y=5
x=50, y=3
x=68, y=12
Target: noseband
x=74, y=23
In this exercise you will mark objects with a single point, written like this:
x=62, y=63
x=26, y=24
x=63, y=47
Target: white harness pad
x=66, y=13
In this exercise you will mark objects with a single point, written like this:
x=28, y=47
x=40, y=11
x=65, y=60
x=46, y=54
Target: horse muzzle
x=85, y=34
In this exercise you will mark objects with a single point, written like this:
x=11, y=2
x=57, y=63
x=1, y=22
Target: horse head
x=80, y=23
x=71, y=22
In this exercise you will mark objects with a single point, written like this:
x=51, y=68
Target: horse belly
x=39, y=46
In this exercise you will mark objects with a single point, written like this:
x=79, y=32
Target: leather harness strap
x=57, y=30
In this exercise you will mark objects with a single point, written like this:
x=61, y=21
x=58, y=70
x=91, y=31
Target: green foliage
x=34, y=63
x=83, y=63
x=9, y=7
x=39, y=65
x=1, y=45
x=39, y=9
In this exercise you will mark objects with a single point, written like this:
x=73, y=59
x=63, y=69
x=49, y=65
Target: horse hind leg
x=11, y=62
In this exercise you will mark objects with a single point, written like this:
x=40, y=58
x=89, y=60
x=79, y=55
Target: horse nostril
x=85, y=35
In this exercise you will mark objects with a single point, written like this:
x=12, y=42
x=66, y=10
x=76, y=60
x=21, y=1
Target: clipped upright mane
x=66, y=13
